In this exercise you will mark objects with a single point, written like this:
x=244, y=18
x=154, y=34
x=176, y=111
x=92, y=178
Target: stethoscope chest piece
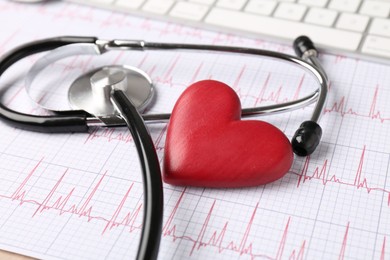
x=91, y=91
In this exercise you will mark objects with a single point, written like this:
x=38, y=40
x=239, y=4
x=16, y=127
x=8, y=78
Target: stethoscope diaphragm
x=91, y=91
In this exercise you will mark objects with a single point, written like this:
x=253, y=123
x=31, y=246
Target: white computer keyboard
x=358, y=28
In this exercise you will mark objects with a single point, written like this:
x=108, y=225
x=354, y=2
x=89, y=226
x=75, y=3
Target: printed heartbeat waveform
x=112, y=134
x=216, y=239
x=320, y=173
x=85, y=209
x=274, y=96
x=372, y=113
x=206, y=236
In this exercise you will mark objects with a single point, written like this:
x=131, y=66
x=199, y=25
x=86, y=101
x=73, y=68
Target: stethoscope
x=111, y=96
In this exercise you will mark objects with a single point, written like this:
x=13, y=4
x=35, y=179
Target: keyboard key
x=287, y=30
x=106, y=2
x=263, y=7
x=133, y=4
x=380, y=27
x=352, y=22
x=336, y=26
x=375, y=8
x=376, y=45
x=231, y=4
x=206, y=2
x=345, y=5
x=190, y=11
x=320, y=16
x=318, y=3
x=290, y=11
x=157, y=6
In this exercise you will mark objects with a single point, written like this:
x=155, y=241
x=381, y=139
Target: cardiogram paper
x=79, y=196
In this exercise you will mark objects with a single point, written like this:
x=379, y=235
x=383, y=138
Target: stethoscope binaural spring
x=110, y=87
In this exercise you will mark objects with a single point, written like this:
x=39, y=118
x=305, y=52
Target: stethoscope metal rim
x=139, y=89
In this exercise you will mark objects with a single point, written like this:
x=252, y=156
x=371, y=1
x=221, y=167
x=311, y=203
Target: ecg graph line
x=341, y=108
x=344, y=244
x=321, y=173
x=206, y=237
x=60, y=203
x=383, y=250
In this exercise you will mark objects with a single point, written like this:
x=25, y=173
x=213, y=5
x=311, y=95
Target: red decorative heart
x=208, y=145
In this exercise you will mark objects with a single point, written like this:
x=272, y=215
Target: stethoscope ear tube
x=308, y=135
x=39, y=46
x=59, y=123
x=153, y=191
x=79, y=121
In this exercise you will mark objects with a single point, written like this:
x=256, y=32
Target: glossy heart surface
x=208, y=145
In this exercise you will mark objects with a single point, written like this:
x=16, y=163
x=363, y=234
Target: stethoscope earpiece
x=306, y=138
x=303, y=45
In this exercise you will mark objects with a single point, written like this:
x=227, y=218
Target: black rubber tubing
x=61, y=122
